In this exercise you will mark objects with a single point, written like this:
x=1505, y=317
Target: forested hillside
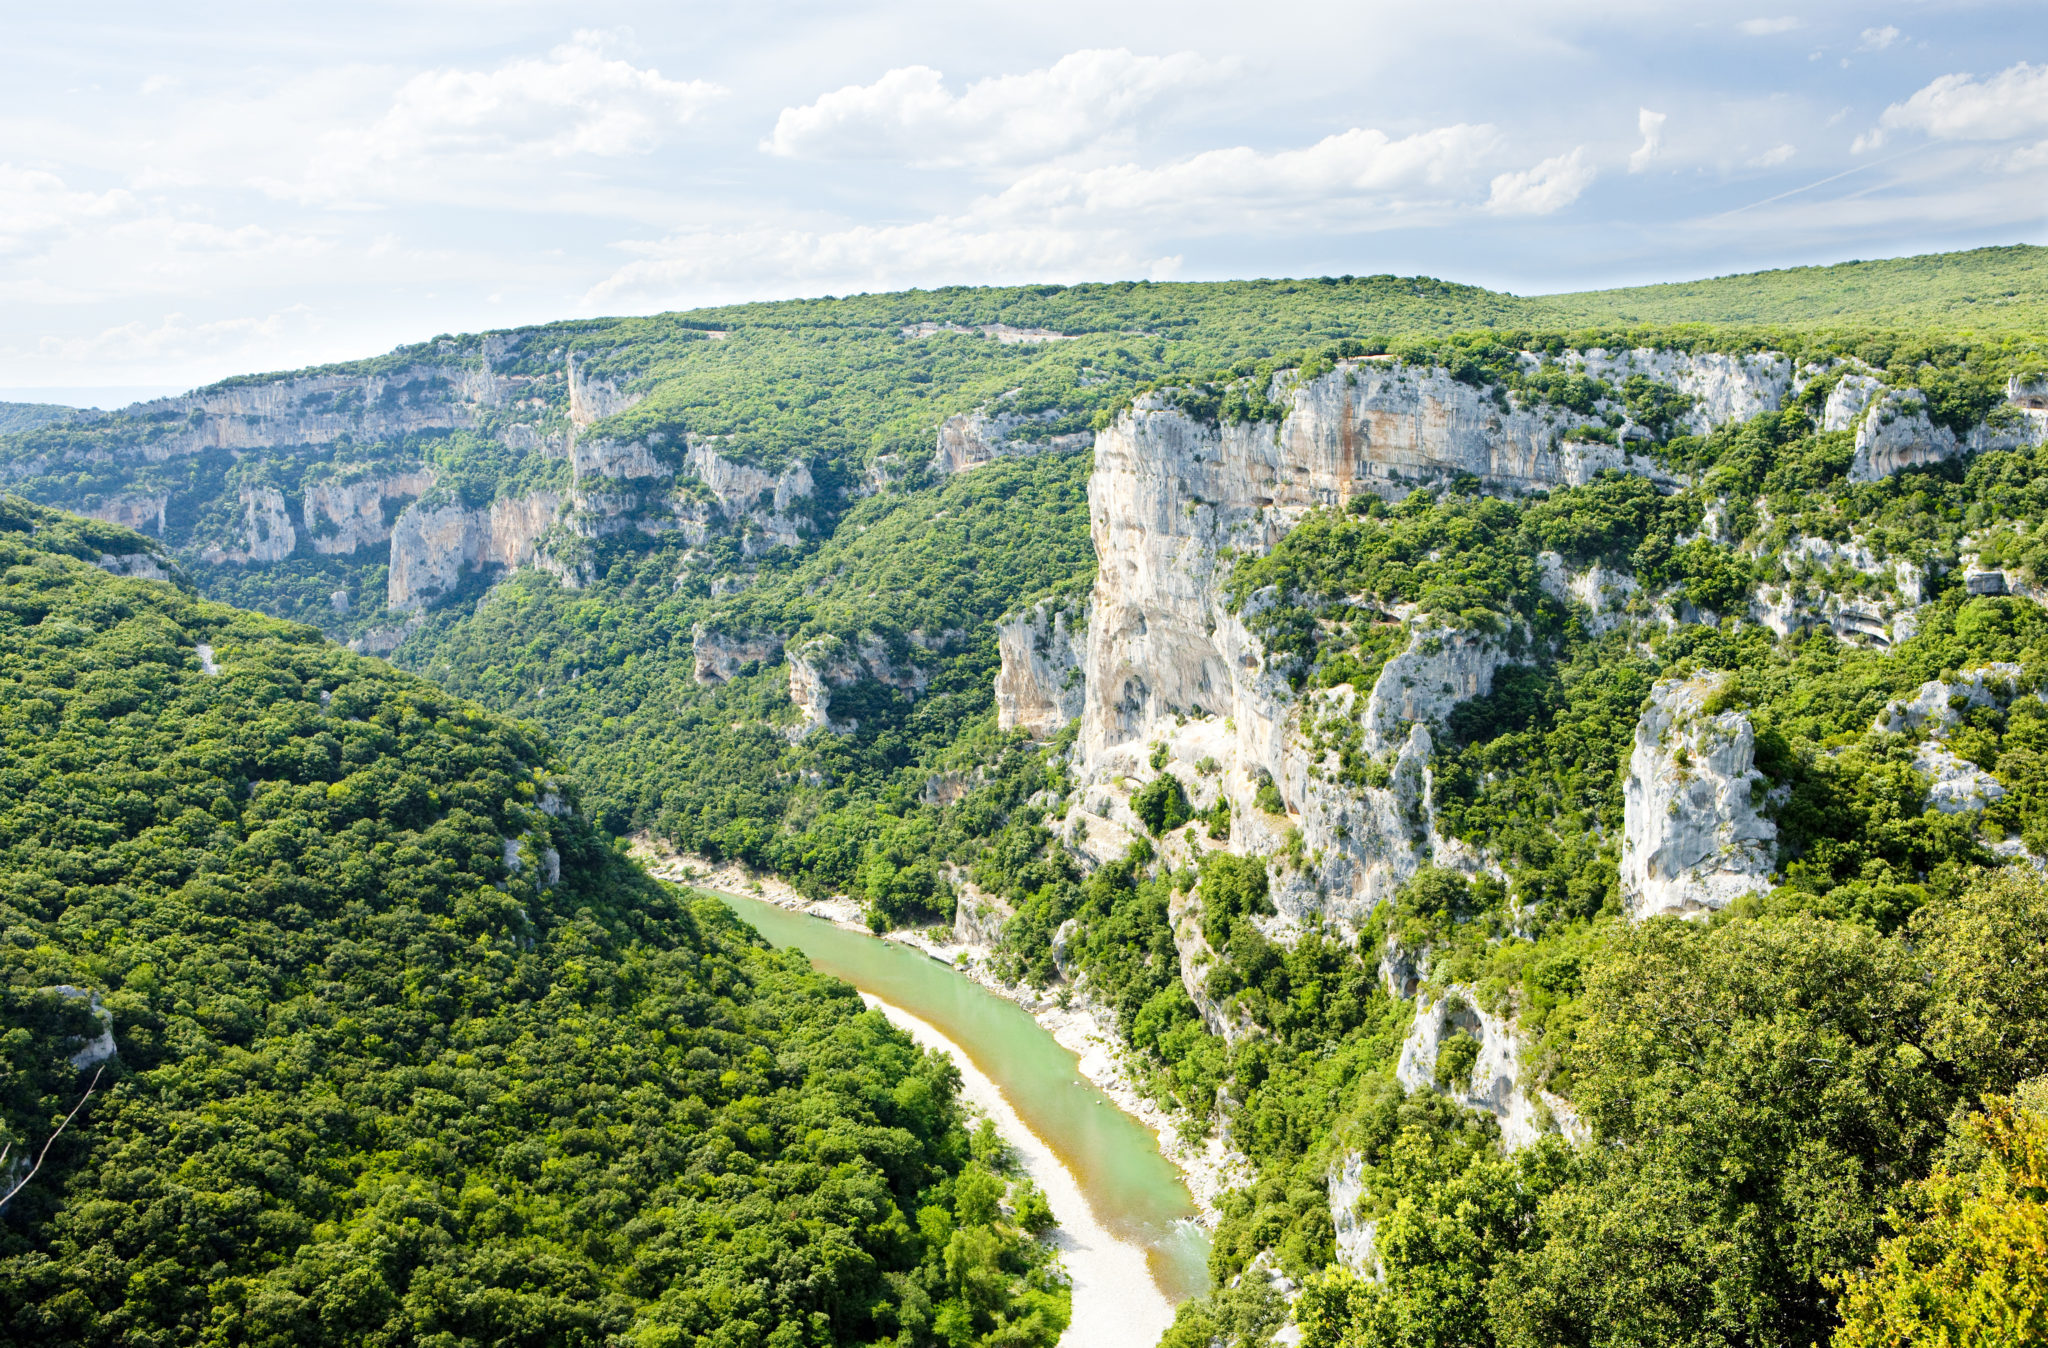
x=1559, y=785
x=392, y=1046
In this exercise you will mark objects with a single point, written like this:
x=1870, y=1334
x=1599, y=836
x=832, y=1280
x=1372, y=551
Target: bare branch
x=95, y=1085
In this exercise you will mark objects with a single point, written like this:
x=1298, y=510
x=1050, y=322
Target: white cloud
x=2012, y=103
x=1650, y=125
x=1877, y=39
x=1550, y=186
x=1066, y=223
x=1774, y=156
x=35, y=204
x=1767, y=27
x=909, y=114
x=577, y=101
x=1359, y=170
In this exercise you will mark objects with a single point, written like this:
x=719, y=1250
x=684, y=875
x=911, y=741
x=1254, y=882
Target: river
x=1127, y=1231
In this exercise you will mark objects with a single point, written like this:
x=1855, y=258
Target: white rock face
x=1724, y=388
x=1955, y=785
x=1440, y=668
x=1897, y=433
x=970, y=439
x=134, y=512
x=1357, y=1238
x=1932, y=707
x=1693, y=840
x=1039, y=687
x=1001, y=332
x=1601, y=590
x=592, y=400
x=1492, y=1087
x=355, y=510
x=720, y=655
x=1848, y=401
x=824, y=664
x=138, y=565
x=746, y=493
x=318, y=409
x=624, y=459
x=100, y=1047
x=267, y=533
x=431, y=546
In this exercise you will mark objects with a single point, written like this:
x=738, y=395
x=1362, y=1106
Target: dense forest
x=426, y=1057
x=403, y=1050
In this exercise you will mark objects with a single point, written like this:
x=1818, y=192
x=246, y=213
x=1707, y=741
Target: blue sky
x=188, y=192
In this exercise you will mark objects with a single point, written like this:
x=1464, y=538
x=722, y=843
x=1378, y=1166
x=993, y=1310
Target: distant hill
x=1989, y=290
x=28, y=416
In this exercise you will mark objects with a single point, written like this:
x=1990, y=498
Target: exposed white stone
x=720, y=655
x=1955, y=785
x=1039, y=688
x=267, y=533
x=970, y=439
x=1848, y=400
x=1724, y=387
x=592, y=400
x=355, y=510
x=1896, y=433
x=1935, y=704
x=826, y=663
x=1693, y=840
x=431, y=545
x=101, y=1047
x=138, y=565
x=1493, y=1087
x=1357, y=1237
x=1603, y=591
x=134, y=512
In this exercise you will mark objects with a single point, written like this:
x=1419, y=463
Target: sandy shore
x=1207, y=1166
x=1116, y=1302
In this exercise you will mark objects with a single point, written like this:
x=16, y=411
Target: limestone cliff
x=1491, y=1082
x=431, y=546
x=823, y=665
x=719, y=656
x=971, y=439
x=1897, y=432
x=1693, y=837
x=267, y=533
x=343, y=517
x=1039, y=688
x=135, y=512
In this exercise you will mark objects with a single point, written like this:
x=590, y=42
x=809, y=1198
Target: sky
x=189, y=192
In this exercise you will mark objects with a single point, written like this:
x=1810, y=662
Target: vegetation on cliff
x=405, y=1050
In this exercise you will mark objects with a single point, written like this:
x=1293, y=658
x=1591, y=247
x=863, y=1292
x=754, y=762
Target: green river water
x=1134, y=1191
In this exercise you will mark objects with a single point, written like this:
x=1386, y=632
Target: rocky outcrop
x=134, y=512
x=342, y=517
x=592, y=400
x=137, y=565
x=971, y=439
x=1848, y=401
x=760, y=502
x=1441, y=667
x=1810, y=601
x=978, y=917
x=1603, y=592
x=1491, y=1084
x=1039, y=688
x=1897, y=432
x=101, y=1046
x=317, y=409
x=1693, y=839
x=432, y=545
x=719, y=656
x=267, y=533
x=1941, y=703
x=1723, y=387
x=1357, y=1236
x=823, y=665
x=1001, y=332
x=1184, y=913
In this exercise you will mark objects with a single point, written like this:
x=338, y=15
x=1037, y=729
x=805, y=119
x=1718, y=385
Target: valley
x=1548, y=796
